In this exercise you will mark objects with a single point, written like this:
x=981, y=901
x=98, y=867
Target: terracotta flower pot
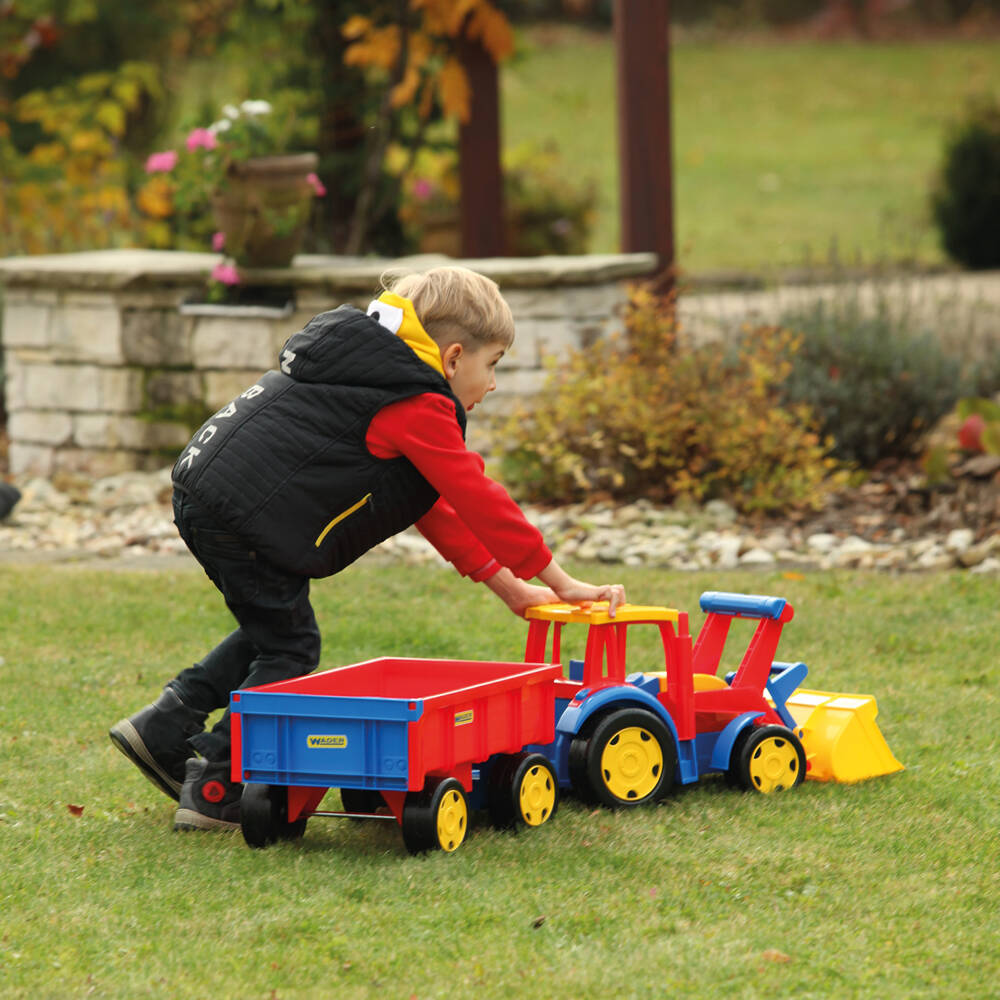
x=263, y=209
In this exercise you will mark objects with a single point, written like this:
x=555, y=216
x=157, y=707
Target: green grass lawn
x=785, y=154
x=886, y=888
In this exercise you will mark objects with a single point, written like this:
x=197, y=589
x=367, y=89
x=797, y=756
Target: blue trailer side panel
x=326, y=740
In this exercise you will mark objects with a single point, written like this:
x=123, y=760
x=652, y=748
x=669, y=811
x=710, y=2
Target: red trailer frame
x=394, y=727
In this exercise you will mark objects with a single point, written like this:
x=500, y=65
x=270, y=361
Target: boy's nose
x=493, y=382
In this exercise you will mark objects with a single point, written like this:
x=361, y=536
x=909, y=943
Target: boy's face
x=471, y=371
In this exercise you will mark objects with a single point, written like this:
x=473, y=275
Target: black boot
x=209, y=799
x=155, y=740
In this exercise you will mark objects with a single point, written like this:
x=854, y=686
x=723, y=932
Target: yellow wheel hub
x=537, y=795
x=774, y=765
x=452, y=821
x=632, y=763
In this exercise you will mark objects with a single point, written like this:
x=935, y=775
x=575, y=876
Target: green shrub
x=640, y=416
x=966, y=199
x=550, y=209
x=875, y=381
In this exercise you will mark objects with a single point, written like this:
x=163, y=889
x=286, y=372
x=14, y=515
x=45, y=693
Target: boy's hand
x=575, y=591
x=579, y=592
x=517, y=594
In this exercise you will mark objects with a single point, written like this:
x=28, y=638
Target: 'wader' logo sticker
x=463, y=718
x=324, y=742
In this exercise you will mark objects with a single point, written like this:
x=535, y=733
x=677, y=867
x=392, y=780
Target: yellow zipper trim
x=340, y=517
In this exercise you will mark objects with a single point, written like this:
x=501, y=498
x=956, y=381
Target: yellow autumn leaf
x=493, y=31
x=112, y=199
x=420, y=49
x=426, y=105
x=773, y=955
x=154, y=198
x=128, y=92
x=454, y=90
x=406, y=89
x=356, y=26
x=436, y=15
x=158, y=234
x=29, y=195
x=380, y=48
x=457, y=13
x=95, y=83
x=111, y=116
x=396, y=158
x=79, y=171
x=47, y=154
x=89, y=140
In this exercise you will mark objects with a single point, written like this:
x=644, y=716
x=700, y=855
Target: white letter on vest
x=189, y=457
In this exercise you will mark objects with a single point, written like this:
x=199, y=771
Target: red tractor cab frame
x=708, y=717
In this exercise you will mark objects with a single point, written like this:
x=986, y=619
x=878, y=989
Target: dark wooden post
x=479, y=155
x=341, y=139
x=642, y=43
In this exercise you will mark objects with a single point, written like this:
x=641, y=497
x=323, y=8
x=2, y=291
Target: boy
x=359, y=435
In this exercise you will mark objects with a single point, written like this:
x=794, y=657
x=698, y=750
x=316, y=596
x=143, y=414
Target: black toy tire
x=579, y=780
x=735, y=777
x=264, y=815
x=361, y=800
x=772, y=759
x=631, y=759
x=523, y=791
x=436, y=818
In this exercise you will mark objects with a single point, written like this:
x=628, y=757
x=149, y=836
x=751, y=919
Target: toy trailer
x=409, y=734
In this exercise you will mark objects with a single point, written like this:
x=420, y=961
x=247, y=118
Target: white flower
x=223, y=125
x=231, y=111
x=255, y=108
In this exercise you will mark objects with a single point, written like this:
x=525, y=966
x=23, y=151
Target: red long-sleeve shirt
x=475, y=524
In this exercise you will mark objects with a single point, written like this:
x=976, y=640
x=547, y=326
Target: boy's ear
x=450, y=357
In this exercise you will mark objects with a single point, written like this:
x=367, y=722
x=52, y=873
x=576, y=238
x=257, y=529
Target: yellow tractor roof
x=597, y=613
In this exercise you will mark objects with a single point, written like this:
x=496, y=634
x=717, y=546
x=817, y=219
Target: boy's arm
x=475, y=509
x=445, y=530
x=424, y=429
x=517, y=594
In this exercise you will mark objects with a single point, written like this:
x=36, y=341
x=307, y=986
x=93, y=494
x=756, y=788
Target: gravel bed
x=128, y=517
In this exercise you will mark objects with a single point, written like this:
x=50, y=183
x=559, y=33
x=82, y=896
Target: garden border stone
x=109, y=367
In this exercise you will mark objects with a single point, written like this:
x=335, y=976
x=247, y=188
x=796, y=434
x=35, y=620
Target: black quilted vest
x=285, y=466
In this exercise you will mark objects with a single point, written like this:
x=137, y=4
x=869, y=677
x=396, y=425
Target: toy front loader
x=841, y=739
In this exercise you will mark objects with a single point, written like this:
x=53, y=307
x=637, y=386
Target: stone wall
x=110, y=365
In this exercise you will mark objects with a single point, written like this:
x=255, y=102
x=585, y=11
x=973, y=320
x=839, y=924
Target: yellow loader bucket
x=840, y=736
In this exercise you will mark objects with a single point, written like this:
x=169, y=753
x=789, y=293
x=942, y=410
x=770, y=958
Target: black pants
x=277, y=637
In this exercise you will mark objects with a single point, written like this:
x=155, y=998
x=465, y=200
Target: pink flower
x=161, y=163
x=201, y=138
x=225, y=274
x=218, y=241
x=422, y=189
x=317, y=185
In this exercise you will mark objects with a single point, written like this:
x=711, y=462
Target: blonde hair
x=456, y=304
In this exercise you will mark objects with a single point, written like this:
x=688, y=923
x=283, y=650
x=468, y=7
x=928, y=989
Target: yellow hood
x=397, y=314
